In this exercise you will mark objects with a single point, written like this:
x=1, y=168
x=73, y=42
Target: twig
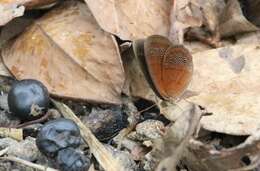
x=103, y=156
x=43, y=118
x=27, y=163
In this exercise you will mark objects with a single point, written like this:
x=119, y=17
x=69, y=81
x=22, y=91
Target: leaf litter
x=82, y=53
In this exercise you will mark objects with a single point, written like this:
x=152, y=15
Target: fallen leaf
x=226, y=82
x=248, y=38
x=14, y=28
x=233, y=20
x=10, y=9
x=29, y=4
x=70, y=54
x=132, y=19
x=204, y=157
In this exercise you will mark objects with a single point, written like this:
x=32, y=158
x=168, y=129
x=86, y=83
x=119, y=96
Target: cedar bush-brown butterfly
x=167, y=68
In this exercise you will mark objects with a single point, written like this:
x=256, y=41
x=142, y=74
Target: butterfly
x=168, y=68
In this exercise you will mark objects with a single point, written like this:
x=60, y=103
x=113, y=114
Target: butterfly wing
x=154, y=49
x=177, y=71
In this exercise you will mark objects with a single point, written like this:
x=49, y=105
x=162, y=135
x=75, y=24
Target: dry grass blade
x=103, y=156
x=27, y=163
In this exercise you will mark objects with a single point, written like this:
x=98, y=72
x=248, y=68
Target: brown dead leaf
x=227, y=83
x=249, y=38
x=70, y=54
x=14, y=28
x=204, y=157
x=233, y=20
x=28, y=3
x=132, y=19
x=10, y=9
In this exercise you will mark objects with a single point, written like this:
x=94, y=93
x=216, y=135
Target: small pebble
x=151, y=129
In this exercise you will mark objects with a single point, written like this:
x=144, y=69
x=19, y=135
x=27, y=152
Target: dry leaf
x=227, y=84
x=10, y=9
x=38, y=3
x=248, y=38
x=132, y=19
x=28, y=3
x=203, y=157
x=14, y=28
x=233, y=20
x=70, y=54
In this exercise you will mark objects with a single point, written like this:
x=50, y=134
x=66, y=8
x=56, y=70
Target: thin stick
x=43, y=118
x=27, y=163
x=103, y=156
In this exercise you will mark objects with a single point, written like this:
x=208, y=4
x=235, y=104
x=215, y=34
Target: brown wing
x=154, y=49
x=177, y=71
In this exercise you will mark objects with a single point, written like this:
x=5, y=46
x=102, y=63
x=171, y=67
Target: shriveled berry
x=27, y=95
x=71, y=160
x=56, y=135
